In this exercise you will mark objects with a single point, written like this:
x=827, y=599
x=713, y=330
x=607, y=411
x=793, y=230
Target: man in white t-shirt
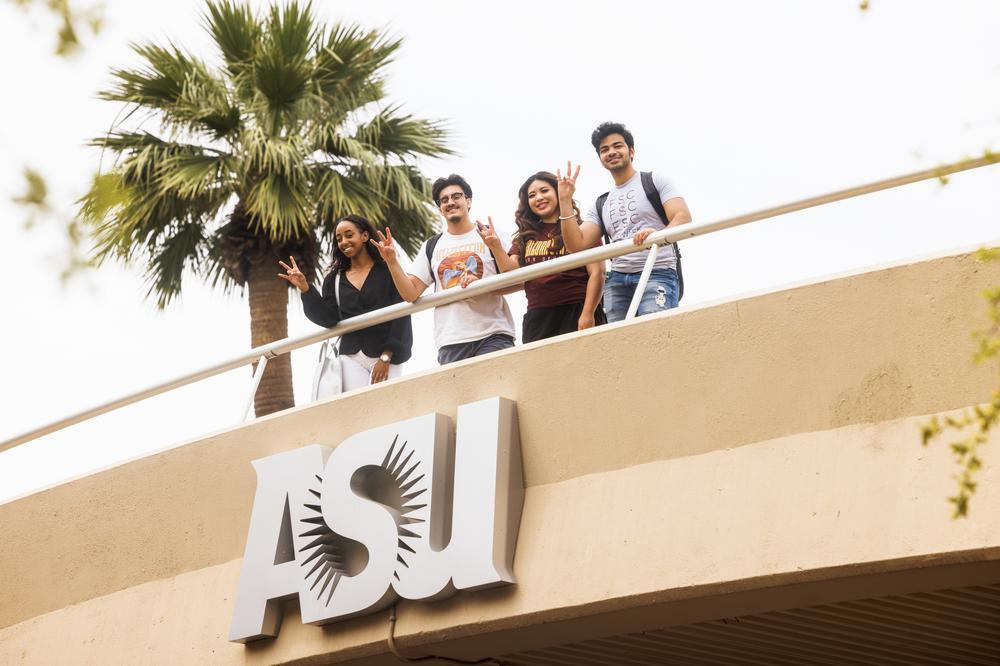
x=626, y=212
x=456, y=257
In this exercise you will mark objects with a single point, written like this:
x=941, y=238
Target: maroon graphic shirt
x=558, y=289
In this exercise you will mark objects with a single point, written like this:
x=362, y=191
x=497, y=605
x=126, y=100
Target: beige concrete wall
x=811, y=507
x=630, y=436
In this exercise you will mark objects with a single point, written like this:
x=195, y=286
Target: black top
x=377, y=292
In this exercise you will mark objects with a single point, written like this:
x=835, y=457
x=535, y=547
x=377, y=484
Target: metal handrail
x=494, y=283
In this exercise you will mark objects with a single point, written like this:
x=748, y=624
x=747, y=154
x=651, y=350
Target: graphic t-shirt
x=557, y=289
x=469, y=320
x=626, y=211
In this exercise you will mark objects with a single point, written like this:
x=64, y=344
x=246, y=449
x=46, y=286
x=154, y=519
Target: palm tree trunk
x=269, y=322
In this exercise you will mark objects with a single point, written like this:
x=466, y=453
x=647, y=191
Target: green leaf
x=36, y=192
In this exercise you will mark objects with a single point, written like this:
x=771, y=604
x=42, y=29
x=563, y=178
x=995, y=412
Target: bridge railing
x=262, y=353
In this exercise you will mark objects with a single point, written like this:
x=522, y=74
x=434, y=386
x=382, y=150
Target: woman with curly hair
x=558, y=303
x=358, y=282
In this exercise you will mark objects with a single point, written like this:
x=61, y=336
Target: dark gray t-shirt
x=626, y=211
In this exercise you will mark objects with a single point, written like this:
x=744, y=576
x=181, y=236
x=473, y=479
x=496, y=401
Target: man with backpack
x=638, y=204
x=455, y=258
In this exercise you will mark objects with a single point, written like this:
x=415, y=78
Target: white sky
x=742, y=104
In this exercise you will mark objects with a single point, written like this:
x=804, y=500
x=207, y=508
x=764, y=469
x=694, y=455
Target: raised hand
x=489, y=235
x=294, y=275
x=385, y=245
x=567, y=183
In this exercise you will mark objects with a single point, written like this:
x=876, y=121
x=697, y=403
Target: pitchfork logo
x=398, y=511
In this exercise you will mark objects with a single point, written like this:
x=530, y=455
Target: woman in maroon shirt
x=562, y=302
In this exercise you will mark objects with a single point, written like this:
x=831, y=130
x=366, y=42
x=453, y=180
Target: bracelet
x=568, y=217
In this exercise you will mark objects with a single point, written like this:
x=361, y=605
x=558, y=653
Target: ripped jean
x=662, y=293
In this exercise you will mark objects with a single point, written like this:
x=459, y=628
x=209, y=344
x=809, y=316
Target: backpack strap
x=653, y=195
x=429, y=251
x=496, y=266
x=599, y=205
x=649, y=188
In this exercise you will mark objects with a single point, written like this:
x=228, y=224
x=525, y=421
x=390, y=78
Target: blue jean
x=662, y=293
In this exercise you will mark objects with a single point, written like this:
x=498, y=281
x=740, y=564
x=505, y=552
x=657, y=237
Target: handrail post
x=258, y=373
x=640, y=288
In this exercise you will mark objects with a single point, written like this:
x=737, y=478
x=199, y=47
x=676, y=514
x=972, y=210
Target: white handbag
x=328, y=378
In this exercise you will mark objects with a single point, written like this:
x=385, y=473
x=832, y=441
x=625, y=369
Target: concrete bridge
x=737, y=483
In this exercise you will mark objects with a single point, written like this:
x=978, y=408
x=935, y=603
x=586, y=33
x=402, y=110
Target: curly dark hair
x=453, y=179
x=529, y=225
x=605, y=129
x=340, y=260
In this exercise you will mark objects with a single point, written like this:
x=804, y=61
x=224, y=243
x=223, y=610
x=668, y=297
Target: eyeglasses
x=455, y=198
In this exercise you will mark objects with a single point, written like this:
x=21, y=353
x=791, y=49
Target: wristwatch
x=385, y=358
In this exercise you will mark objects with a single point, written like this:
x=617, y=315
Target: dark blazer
x=377, y=292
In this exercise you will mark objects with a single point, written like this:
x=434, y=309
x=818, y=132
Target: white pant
x=356, y=370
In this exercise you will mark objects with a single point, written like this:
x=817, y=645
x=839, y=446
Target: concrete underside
x=743, y=461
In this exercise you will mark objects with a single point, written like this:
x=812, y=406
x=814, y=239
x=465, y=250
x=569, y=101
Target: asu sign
x=402, y=510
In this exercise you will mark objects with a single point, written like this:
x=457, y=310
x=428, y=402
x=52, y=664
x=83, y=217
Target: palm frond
x=186, y=170
x=236, y=32
x=265, y=153
x=342, y=111
x=396, y=196
x=143, y=218
x=206, y=105
x=291, y=29
x=339, y=147
x=195, y=174
x=410, y=226
x=337, y=194
x=407, y=194
x=392, y=133
x=348, y=61
x=180, y=87
x=185, y=247
x=156, y=184
x=158, y=83
x=281, y=65
x=279, y=206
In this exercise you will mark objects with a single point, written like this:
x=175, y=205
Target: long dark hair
x=340, y=260
x=529, y=225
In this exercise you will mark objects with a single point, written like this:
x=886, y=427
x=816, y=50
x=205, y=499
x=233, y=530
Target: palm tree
x=256, y=159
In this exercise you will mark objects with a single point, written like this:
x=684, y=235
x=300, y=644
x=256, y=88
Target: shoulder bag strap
x=649, y=187
x=336, y=297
